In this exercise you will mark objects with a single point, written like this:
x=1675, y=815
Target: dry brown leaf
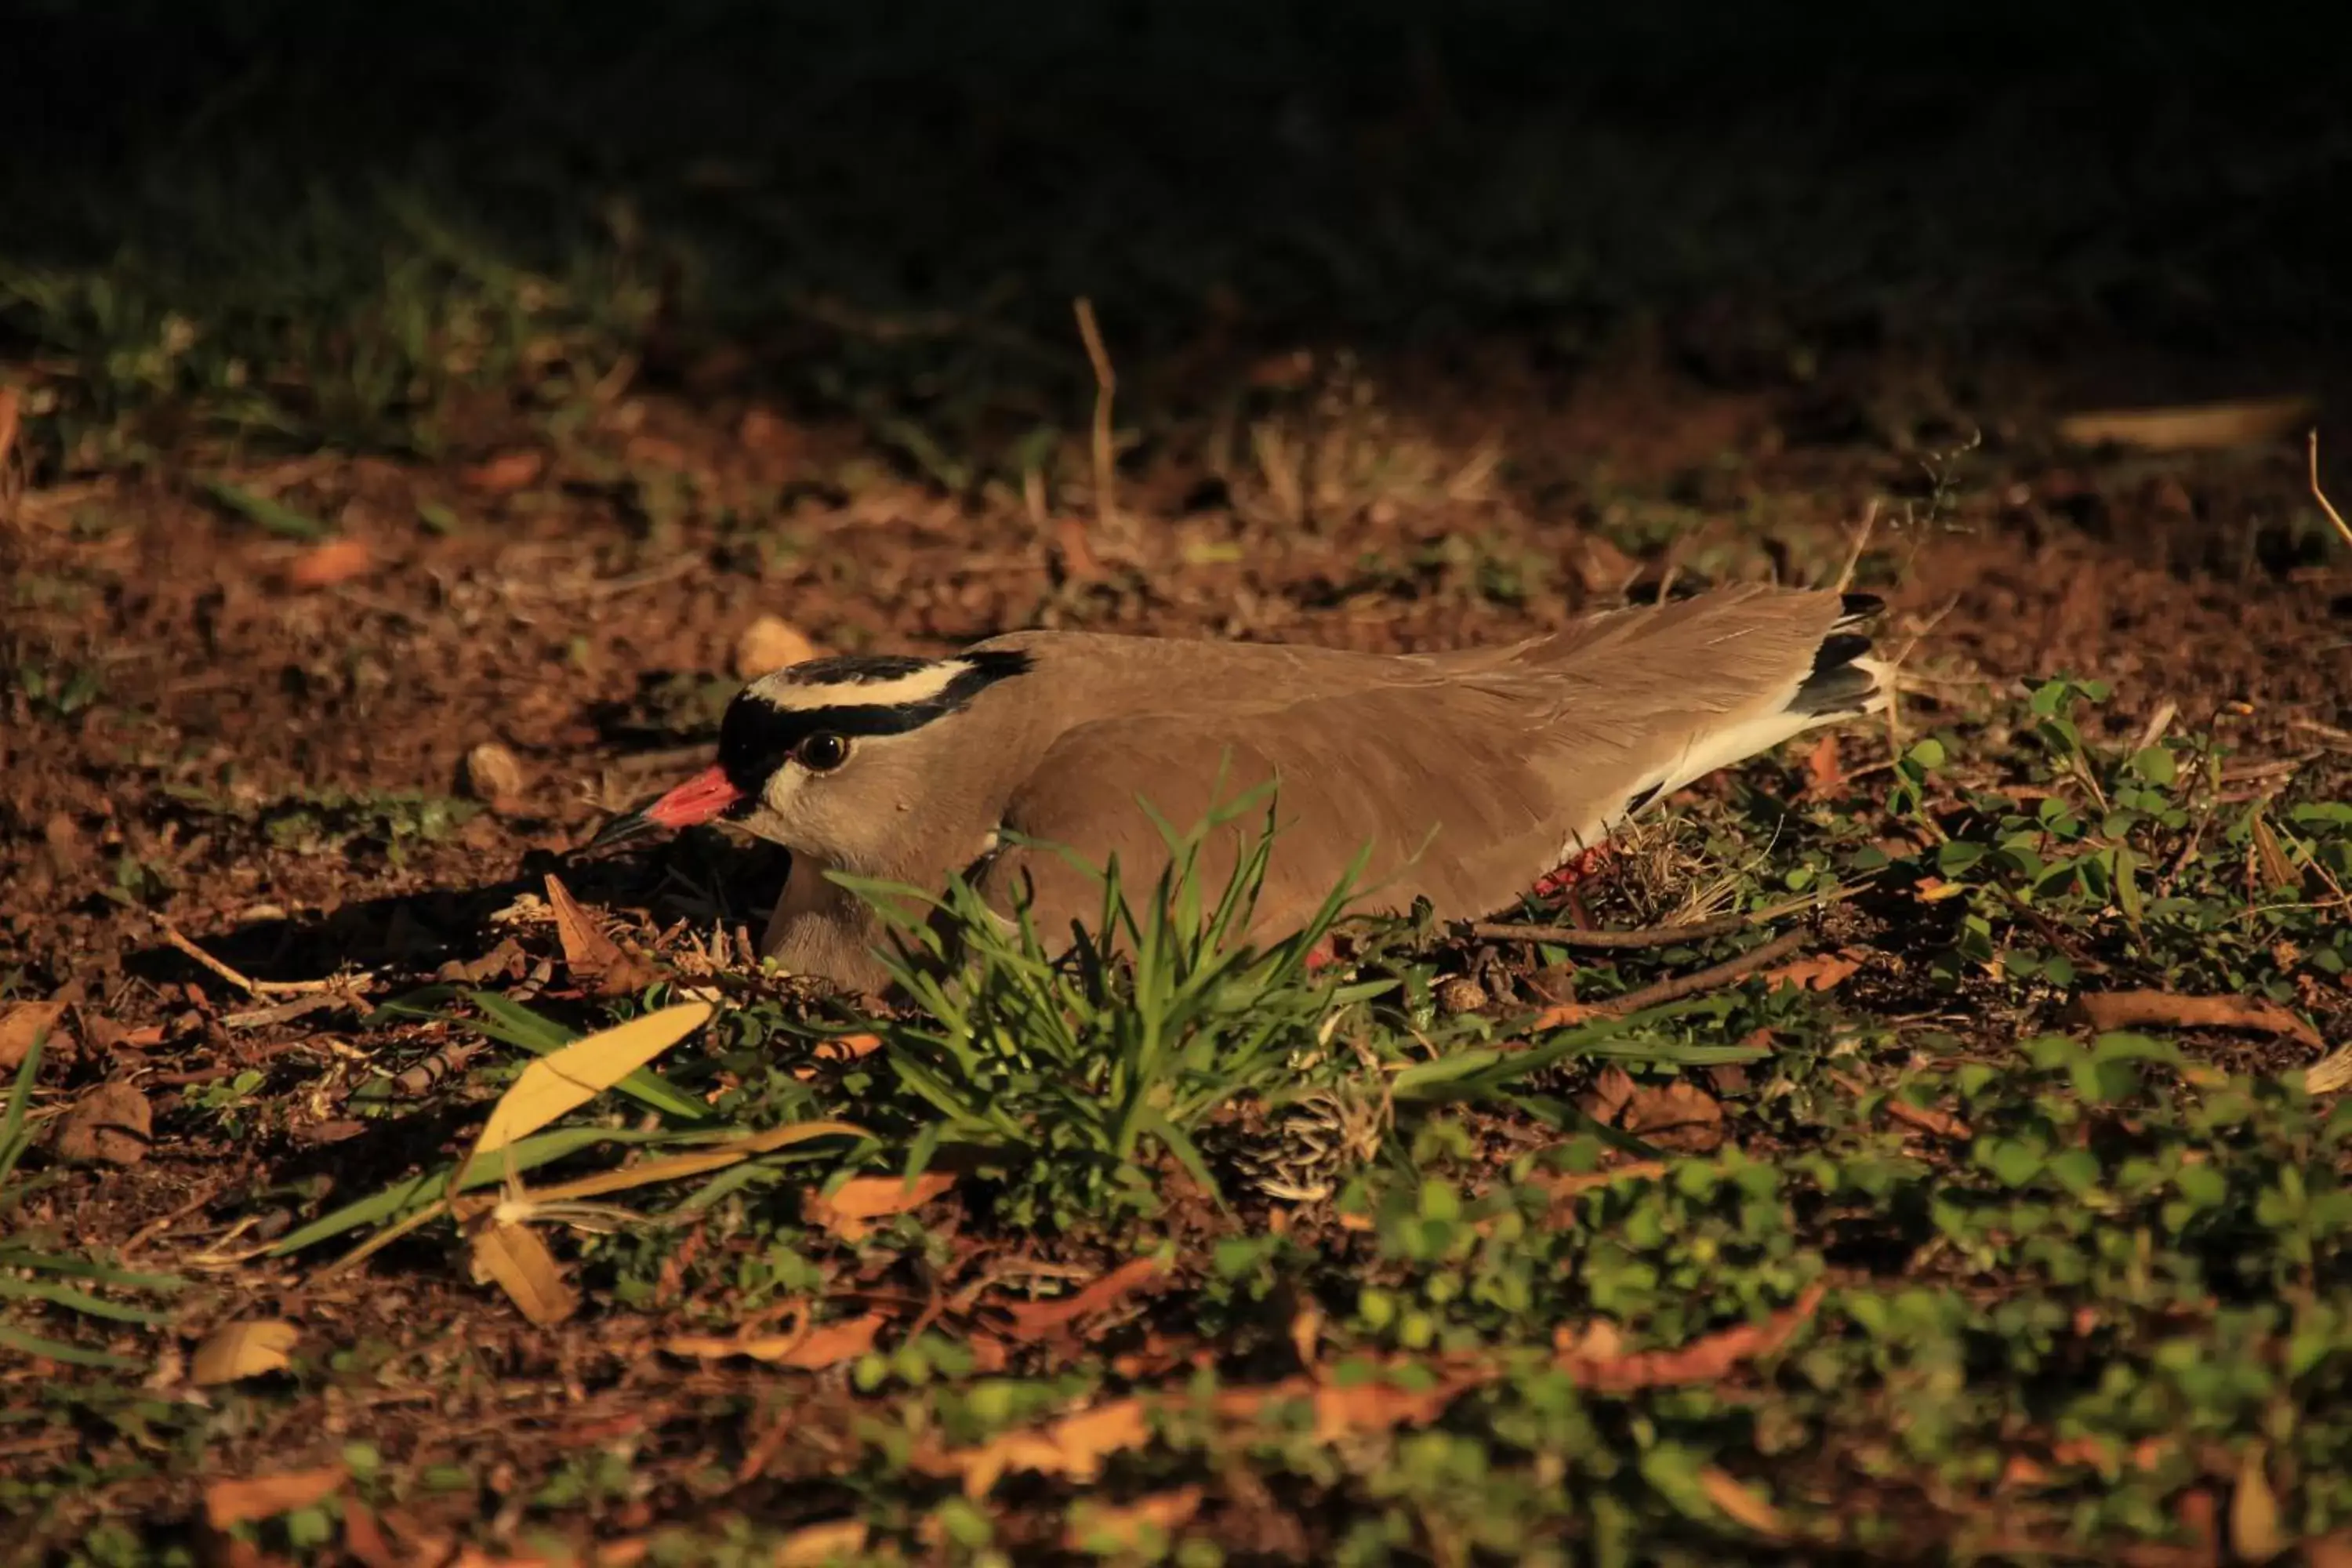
x=2254, y=1534
x=505, y=473
x=515, y=1256
x=247, y=1348
x=594, y=960
x=770, y=642
x=10, y=421
x=1706, y=1360
x=862, y=1198
x=768, y=433
x=1343, y=1408
x=1563, y=1016
x=565, y=1079
x=2247, y=421
x=1074, y=1446
x=1112, y=1528
x=2112, y=1010
x=228, y=1503
x=1822, y=971
x=109, y=1125
x=2329, y=1551
x=1079, y=563
x=1681, y=1115
x=1039, y=1319
x=812, y=1545
x=2276, y=871
x=325, y=564
x=19, y=1023
x=1613, y=1089
x=1738, y=1503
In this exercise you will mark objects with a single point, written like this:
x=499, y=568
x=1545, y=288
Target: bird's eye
x=822, y=752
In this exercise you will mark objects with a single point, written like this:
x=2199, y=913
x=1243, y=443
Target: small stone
x=769, y=643
x=492, y=774
x=1461, y=994
x=110, y=1125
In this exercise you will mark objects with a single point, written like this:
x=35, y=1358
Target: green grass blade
x=274, y=516
x=71, y=1355
x=80, y=1301
x=417, y=1191
x=83, y=1268
x=20, y=1095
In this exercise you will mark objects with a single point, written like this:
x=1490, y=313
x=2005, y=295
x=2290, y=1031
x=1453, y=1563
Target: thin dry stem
x=2311, y=445
x=1105, y=389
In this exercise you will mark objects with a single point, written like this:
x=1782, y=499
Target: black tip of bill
x=623, y=829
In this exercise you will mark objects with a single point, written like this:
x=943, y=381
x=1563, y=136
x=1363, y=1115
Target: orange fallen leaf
x=1822, y=971
x=1705, y=1360
x=1079, y=563
x=1343, y=1408
x=228, y=1503
x=1941, y=1124
x=1038, y=1320
x=324, y=565
x=1824, y=772
x=1111, y=1528
x=10, y=420
x=846, y=1212
x=1738, y=1503
x=810, y=1350
x=364, y=1540
x=814, y=1544
x=1567, y=1187
x=1613, y=1089
x=1563, y=1016
x=505, y=473
x=1076, y=1446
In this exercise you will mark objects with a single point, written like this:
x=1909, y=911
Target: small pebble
x=492, y=774
x=769, y=643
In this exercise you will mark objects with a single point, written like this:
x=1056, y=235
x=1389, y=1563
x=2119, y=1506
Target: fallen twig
x=1709, y=978
x=1660, y=936
x=251, y=987
x=2106, y=1010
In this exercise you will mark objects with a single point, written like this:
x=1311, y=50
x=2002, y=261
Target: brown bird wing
x=1468, y=780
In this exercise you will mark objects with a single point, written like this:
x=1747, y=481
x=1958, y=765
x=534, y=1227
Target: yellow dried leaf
x=2255, y=1513
x=814, y=1544
x=247, y=1348
x=1738, y=1503
x=228, y=1503
x=514, y=1256
x=566, y=1080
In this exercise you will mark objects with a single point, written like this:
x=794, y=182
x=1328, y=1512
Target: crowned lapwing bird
x=1028, y=762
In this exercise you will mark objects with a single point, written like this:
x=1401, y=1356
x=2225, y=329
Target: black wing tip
x=1855, y=608
x=1837, y=685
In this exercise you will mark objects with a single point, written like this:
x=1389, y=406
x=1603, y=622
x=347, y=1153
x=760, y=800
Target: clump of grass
x=1078, y=1070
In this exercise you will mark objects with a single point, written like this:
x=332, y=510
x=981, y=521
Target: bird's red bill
x=701, y=799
